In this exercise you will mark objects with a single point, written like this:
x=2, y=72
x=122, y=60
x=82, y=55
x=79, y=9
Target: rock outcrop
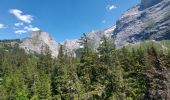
x=148, y=3
x=148, y=20
x=71, y=46
x=94, y=39
x=39, y=39
x=95, y=36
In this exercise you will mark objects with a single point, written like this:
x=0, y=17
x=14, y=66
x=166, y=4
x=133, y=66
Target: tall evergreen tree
x=86, y=67
x=43, y=83
x=157, y=76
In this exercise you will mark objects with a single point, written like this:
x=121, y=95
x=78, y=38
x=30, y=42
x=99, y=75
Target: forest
x=108, y=73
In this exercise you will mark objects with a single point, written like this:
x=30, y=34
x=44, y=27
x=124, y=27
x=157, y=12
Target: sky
x=63, y=19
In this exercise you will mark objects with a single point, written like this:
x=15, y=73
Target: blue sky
x=63, y=19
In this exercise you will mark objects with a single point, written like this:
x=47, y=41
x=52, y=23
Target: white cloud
x=26, y=29
x=19, y=24
x=31, y=28
x=110, y=7
x=20, y=16
x=2, y=26
x=20, y=31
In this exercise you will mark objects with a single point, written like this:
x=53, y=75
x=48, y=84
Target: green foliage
x=43, y=87
x=163, y=45
x=135, y=72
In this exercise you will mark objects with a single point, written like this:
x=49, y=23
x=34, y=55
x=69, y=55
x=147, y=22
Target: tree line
x=104, y=74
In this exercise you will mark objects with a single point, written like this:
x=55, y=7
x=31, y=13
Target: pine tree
x=86, y=68
x=157, y=75
x=110, y=70
x=134, y=77
x=42, y=82
x=62, y=82
x=43, y=87
x=45, y=60
x=105, y=50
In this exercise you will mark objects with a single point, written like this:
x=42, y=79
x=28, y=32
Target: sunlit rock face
x=95, y=36
x=150, y=22
x=38, y=40
x=94, y=39
x=70, y=46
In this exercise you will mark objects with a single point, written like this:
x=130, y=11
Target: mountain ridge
x=39, y=39
x=149, y=20
x=137, y=25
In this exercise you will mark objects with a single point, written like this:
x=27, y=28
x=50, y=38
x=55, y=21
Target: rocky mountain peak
x=94, y=37
x=42, y=36
x=39, y=39
x=71, y=44
x=149, y=3
x=148, y=20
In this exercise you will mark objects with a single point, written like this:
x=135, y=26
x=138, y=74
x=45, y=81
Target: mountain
x=38, y=40
x=94, y=38
x=149, y=20
x=71, y=46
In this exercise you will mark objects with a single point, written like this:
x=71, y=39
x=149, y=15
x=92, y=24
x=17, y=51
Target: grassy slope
x=160, y=45
x=8, y=43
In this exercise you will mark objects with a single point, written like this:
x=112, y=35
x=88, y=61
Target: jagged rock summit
x=39, y=39
x=94, y=39
x=148, y=3
x=148, y=20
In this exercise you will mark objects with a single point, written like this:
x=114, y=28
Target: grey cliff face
x=37, y=40
x=70, y=46
x=94, y=39
x=95, y=36
x=148, y=20
x=149, y=3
